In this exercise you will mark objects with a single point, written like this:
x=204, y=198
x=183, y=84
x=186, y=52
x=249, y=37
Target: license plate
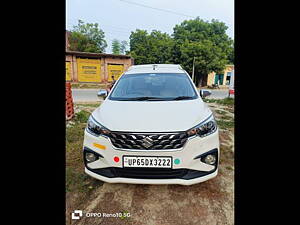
x=147, y=161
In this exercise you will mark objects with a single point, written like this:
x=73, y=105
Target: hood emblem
x=147, y=142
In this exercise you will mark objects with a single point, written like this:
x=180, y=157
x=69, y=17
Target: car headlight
x=205, y=128
x=95, y=128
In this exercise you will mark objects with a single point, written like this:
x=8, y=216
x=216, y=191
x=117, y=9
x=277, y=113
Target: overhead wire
x=116, y=29
x=163, y=10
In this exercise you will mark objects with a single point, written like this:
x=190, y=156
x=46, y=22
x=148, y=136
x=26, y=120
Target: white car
x=152, y=128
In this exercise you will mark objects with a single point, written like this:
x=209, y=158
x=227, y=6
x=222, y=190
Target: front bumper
x=189, y=171
x=151, y=181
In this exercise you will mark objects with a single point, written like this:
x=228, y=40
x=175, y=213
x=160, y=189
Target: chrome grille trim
x=129, y=141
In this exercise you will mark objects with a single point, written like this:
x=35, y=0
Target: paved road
x=90, y=95
x=85, y=95
x=218, y=94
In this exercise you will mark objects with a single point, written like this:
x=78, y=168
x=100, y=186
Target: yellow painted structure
x=94, y=67
x=114, y=70
x=68, y=71
x=89, y=70
x=211, y=76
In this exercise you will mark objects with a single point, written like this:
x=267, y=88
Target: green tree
x=203, y=42
x=231, y=54
x=87, y=37
x=123, y=47
x=207, y=42
x=162, y=45
x=155, y=47
x=139, y=43
x=116, y=47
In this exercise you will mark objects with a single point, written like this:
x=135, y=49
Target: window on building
x=228, y=78
x=219, y=79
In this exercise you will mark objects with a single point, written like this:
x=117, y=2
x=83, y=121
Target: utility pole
x=193, y=74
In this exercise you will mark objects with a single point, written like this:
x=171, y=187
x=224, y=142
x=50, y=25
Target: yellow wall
x=101, y=67
x=211, y=76
x=114, y=70
x=68, y=71
x=88, y=70
x=227, y=69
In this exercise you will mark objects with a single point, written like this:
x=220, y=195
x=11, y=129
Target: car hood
x=151, y=116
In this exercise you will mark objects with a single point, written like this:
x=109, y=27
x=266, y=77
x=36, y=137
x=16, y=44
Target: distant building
x=67, y=40
x=222, y=79
x=95, y=67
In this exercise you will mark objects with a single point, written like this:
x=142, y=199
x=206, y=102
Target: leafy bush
x=82, y=116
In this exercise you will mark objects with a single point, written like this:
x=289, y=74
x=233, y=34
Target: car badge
x=147, y=142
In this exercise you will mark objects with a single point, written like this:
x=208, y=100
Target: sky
x=117, y=18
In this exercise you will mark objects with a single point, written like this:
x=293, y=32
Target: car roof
x=155, y=68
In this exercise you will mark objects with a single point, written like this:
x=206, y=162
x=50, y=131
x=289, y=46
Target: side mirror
x=102, y=93
x=205, y=93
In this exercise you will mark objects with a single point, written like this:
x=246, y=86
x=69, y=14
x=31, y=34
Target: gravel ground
x=209, y=203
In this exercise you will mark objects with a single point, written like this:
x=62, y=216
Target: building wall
x=104, y=61
x=211, y=76
x=125, y=62
x=74, y=67
x=89, y=70
x=69, y=59
x=67, y=40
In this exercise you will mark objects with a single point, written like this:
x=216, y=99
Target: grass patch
x=80, y=187
x=76, y=180
x=82, y=116
x=96, y=105
x=220, y=112
x=226, y=155
x=225, y=124
x=75, y=133
x=79, y=181
x=224, y=117
x=88, y=85
x=225, y=101
x=207, y=100
x=75, y=177
x=74, y=142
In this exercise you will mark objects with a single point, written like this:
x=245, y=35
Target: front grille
x=147, y=141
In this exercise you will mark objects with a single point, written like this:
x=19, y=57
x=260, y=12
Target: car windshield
x=153, y=87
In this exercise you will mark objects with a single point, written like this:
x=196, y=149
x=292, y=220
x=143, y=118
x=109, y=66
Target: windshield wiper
x=145, y=98
x=182, y=98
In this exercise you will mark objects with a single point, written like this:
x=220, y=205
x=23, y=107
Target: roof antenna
x=154, y=66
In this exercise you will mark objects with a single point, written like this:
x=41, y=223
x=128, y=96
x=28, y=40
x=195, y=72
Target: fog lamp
x=90, y=157
x=210, y=159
